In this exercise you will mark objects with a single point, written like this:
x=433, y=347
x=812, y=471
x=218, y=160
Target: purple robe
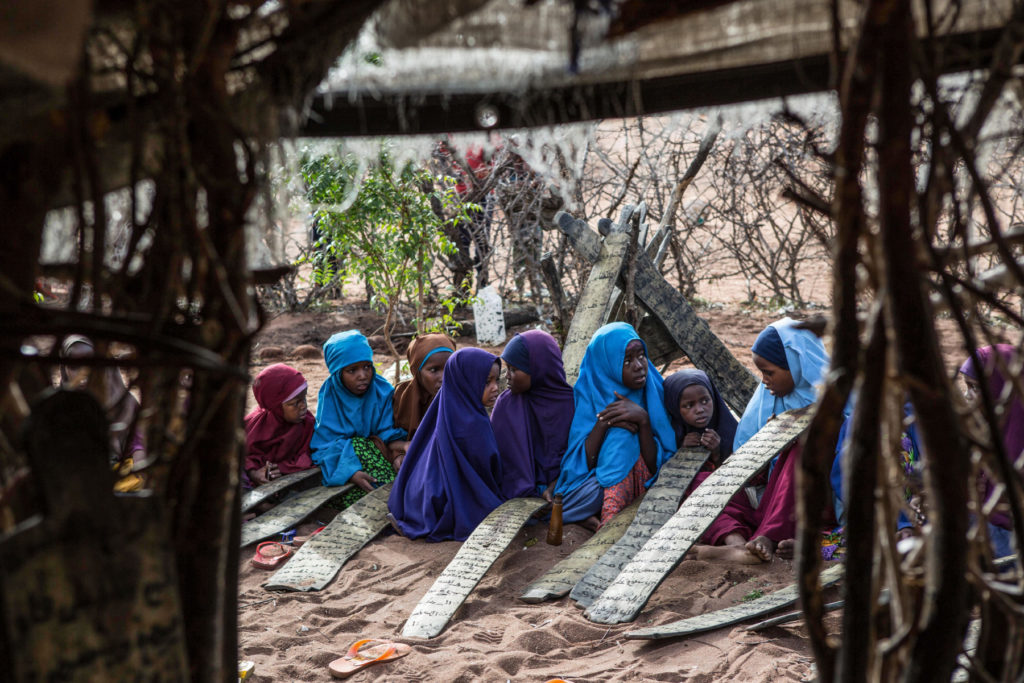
x=533, y=427
x=992, y=381
x=451, y=476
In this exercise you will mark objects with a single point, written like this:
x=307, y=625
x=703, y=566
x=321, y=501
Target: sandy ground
x=494, y=636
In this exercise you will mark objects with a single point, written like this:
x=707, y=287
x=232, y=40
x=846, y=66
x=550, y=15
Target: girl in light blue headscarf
x=620, y=434
x=792, y=362
x=354, y=418
x=780, y=349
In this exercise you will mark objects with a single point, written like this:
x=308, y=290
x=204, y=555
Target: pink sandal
x=298, y=541
x=359, y=657
x=274, y=555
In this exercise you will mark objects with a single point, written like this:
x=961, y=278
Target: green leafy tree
x=384, y=227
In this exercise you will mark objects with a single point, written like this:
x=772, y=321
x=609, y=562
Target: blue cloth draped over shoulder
x=451, y=476
x=808, y=363
x=600, y=377
x=341, y=415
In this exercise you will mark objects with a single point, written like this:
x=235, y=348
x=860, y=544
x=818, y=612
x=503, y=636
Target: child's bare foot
x=734, y=538
x=761, y=547
x=786, y=549
x=591, y=523
x=734, y=554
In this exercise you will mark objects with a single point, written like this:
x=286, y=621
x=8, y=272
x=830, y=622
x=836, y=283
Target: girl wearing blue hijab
x=792, y=362
x=354, y=418
x=451, y=477
x=620, y=434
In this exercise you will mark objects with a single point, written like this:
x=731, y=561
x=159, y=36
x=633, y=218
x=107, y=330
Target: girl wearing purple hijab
x=992, y=380
x=451, y=476
x=532, y=417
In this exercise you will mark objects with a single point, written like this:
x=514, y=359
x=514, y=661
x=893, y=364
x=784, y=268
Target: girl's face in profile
x=777, y=381
x=972, y=391
x=491, y=387
x=695, y=406
x=294, y=409
x=634, y=365
x=432, y=372
x=519, y=382
x=357, y=377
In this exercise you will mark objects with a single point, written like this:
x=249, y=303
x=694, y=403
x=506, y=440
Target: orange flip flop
x=359, y=657
x=270, y=554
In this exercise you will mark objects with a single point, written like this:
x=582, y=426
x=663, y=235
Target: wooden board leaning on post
x=592, y=309
x=289, y=513
x=317, y=562
x=254, y=497
x=626, y=596
x=469, y=565
x=560, y=579
x=657, y=506
x=732, y=379
x=783, y=597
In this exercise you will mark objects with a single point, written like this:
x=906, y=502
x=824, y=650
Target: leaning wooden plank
x=592, y=309
x=254, y=497
x=731, y=615
x=469, y=565
x=289, y=513
x=560, y=579
x=657, y=507
x=317, y=562
x=732, y=379
x=791, y=617
x=631, y=590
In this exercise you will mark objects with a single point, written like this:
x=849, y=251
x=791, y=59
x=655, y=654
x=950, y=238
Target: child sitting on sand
x=532, y=417
x=620, y=434
x=127, y=444
x=427, y=355
x=699, y=414
x=792, y=361
x=355, y=420
x=278, y=430
x=452, y=475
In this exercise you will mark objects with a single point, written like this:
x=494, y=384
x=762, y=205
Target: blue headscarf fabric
x=451, y=476
x=769, y=346
x=722, y=421
x=517, y=354
x=808, y=361
x=600, y=377
x=341, y=415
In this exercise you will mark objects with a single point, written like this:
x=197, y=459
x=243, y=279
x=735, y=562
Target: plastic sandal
x=298, y=541
x=359, y=657
x=275, y=555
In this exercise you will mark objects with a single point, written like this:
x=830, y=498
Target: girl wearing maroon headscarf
x=531, y=418
x=278, y=431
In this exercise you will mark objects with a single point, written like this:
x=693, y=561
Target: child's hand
x=623, y=413
x=692, y=439
x=363, y=480
x=258, y=475
x=272, y=471
x=710, y=440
